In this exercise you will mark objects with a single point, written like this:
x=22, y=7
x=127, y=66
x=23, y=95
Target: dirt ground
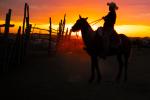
x=65, y=76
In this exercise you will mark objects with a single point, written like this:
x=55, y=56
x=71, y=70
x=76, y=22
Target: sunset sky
x=133, y=16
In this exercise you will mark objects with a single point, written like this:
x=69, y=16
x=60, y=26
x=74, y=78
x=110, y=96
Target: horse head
x=79, y=24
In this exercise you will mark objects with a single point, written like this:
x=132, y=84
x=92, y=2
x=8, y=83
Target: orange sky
x=133, y=16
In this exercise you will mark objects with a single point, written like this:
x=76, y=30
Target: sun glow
x=129, y=30
x=134, y=30
x=133, y=18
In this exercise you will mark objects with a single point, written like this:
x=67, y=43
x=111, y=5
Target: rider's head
x=112, y=6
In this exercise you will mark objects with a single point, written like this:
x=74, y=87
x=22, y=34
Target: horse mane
x=89, y=25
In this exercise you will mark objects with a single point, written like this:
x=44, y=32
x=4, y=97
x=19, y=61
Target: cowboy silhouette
x=108, y=27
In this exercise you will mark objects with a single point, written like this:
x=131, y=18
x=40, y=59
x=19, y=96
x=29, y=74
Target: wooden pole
x=66, y=35
x=60, y=28
x=7, y=23
x=69, y=34
x=18, y=47
x=63, y=25
x=50, y=35
x=24, y=18
x=28, y=29
x=25, y=31
x=15, y=59
x=0, y=30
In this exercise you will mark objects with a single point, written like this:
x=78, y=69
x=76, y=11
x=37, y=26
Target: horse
x=93, y=46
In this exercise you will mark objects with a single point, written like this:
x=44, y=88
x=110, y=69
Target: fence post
x=66, y=35
x=60, y=28
x=23, y=34
x=0, y=31
x=7, y=23
x=18, y=46
x=25, y=31
x=16, y=49
x=50, y=35
x=69, y=34
x=24, y=18
x=63, y=25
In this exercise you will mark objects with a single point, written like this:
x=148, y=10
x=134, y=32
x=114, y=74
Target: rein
x=95, y=22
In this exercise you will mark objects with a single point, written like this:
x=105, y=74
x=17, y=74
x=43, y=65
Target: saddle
x=115, y=40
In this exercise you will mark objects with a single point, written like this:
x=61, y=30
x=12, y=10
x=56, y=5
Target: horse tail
x=125, y=45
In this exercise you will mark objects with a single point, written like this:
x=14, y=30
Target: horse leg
x=119, y=58
x=94, y=65
x=92, y=70
x=126, y=68
x=97, y=70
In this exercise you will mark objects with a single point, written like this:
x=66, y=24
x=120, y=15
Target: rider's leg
x=106, y=42
x=105, y=45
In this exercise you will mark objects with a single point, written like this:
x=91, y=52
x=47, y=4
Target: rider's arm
x=106, y=17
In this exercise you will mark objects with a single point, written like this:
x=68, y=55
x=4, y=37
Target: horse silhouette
x=93, y=45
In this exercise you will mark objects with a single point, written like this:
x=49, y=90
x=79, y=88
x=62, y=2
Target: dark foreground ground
x=65, y=77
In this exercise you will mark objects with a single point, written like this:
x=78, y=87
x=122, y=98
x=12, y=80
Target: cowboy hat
x=112, y=5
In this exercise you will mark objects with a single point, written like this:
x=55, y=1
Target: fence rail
x=14, y=50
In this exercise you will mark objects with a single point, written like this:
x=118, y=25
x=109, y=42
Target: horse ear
x=80, y=16
x=86, y=18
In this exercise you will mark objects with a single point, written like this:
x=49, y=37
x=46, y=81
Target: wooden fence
x=13, y=49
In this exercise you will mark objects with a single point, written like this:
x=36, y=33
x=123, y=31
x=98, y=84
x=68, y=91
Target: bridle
x=95, y=22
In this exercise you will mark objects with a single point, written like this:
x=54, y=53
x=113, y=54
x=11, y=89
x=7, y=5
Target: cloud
x=40, y=9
